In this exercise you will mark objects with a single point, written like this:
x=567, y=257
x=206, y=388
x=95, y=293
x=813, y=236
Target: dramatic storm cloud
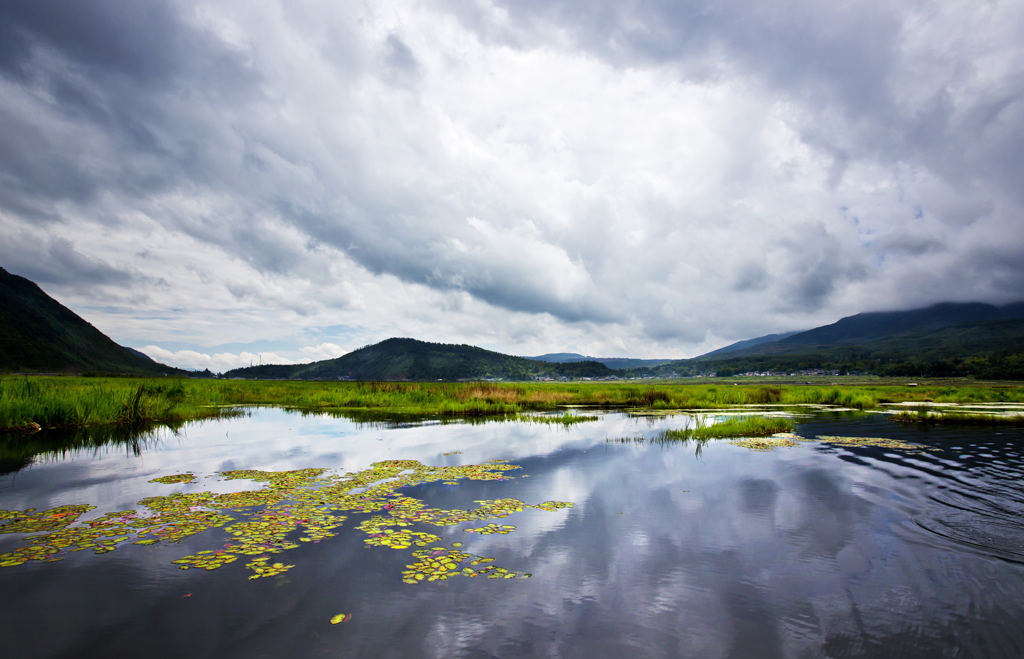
x=232, y=182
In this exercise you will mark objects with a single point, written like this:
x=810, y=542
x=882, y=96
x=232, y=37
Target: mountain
x=616, y=363
x=902, y=331
x=560, y=357
x=740, y=346
x=945, y=339
x=40, y=335
x=410, y=359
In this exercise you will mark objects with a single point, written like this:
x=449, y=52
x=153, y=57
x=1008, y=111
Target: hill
x=913, y=326
x=410, y=359
x=616, y=363
x=40, y=335
x=742, y=346
x=945, y=339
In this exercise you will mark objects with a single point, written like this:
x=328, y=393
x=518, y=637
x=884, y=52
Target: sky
x=236, y=182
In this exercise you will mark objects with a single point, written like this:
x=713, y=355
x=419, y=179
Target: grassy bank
x=47, y=402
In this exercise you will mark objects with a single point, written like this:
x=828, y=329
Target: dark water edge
x=815, y=550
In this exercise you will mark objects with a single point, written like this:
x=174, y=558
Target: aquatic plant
x=958, y=417
x=292, y=507
x=567, y=419
x=880, y=442
x=738, y=426
x=174, y=479
x=767, y=443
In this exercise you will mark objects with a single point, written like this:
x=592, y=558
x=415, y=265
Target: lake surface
x=668, y=549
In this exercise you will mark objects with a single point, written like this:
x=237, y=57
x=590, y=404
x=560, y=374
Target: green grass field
x=31, y=402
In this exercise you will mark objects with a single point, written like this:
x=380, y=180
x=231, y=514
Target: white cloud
x=217, y=362
x=324, y=351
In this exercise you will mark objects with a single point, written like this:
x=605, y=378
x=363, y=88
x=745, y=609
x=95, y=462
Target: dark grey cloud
x=110, y=75
x=142, y=41
x=399, y=58
x=57, y=262
x=751, y=277
x=150, y=44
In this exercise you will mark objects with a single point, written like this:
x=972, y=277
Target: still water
x=669, y=549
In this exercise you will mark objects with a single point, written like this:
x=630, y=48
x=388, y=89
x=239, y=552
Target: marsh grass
x=927, y=417
x=742, y=426
x=58, y=402
x=566, y=420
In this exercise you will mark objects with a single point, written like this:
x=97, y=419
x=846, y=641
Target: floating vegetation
x=881, y=442
x=31, y=521
x=552, y=505
x=291, y=508
x=440, y=563
x=262, y=567
x=780, y=440
x=491, y=529
x=767, y=443
x=174, y=479
x=789, y=439
x=341, y=617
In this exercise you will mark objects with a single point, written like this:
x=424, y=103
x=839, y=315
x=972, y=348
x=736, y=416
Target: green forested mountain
x=409, y=359
x=40, y=335
x=941, y=340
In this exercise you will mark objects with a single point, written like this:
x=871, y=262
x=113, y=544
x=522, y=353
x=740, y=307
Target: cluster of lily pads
x=766, y=443
x=440, y=563
x=881, y=442
x=492, y=528
x=173, y=479
x=291, y=508
x=789, y=439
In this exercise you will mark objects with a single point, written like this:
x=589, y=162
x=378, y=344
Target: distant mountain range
x=615, y=363
x=39, y=335
x=947, y=339
x=409, y=359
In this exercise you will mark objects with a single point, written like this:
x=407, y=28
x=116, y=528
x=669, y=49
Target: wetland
x=556, y=532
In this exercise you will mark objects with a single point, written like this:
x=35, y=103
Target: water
x=670, y=550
